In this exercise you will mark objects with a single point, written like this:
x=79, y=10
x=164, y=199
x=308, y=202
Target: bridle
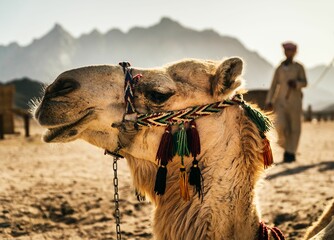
x=180, y=117
x=129, y=83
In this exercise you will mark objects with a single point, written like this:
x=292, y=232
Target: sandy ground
x=66, y=191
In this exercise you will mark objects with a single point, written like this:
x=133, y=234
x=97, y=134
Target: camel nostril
x=61, y=87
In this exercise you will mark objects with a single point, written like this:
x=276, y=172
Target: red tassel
x=268, y=159
x=194, y=143
x=165, y=150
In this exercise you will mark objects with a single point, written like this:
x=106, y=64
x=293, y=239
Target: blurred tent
x=15, y=97
x=6, y=109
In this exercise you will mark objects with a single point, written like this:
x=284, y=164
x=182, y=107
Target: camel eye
x=62, y=87
x=158, y=97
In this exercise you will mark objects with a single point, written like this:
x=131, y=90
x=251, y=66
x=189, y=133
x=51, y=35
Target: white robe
x=287, y=103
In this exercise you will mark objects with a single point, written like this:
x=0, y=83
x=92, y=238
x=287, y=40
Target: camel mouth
x=67, y=131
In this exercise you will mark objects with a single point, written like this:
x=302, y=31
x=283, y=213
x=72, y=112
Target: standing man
x=285, y=97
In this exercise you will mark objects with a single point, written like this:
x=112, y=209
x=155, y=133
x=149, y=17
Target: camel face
x=77, y=98
x=84, y=102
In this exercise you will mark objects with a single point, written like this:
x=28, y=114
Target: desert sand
x=65, y=191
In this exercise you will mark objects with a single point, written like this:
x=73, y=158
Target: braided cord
x=183, y=115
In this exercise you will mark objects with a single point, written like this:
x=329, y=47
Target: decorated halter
x=185, y=141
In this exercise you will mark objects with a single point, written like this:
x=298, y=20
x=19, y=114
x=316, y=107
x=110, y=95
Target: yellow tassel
x=184, y=191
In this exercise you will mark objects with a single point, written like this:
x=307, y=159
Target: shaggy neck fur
x=231, y=149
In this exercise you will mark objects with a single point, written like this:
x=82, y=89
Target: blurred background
x=41, y=39
x=62, y=192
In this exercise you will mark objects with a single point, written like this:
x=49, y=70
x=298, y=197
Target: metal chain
x=116, y=200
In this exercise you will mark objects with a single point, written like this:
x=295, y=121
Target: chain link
x=116, y=200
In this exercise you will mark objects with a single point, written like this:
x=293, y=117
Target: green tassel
x=175, y=136
x=182, y=143
x=181, y=146
x=262, y=122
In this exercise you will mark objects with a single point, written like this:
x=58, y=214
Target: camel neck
x=230, y=167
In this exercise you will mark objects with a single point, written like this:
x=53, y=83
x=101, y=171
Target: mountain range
x=156, y=45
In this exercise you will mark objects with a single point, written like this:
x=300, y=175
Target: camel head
x=89, y=103
x=83, y=103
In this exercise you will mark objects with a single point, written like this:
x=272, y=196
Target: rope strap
x=166, y=118
x=274, y=231
x=184, y=115
x=129, y=87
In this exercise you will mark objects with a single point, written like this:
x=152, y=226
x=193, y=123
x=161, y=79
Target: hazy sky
x=261, y=25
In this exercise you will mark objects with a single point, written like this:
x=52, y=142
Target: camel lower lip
x=53, y=133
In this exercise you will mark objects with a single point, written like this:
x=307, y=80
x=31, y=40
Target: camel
x=324, y=227
x=83, y=103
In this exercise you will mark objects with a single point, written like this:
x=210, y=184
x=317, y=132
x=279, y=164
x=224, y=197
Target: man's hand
x=292, y=83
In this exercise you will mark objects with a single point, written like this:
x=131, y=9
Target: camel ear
x=227, y=77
